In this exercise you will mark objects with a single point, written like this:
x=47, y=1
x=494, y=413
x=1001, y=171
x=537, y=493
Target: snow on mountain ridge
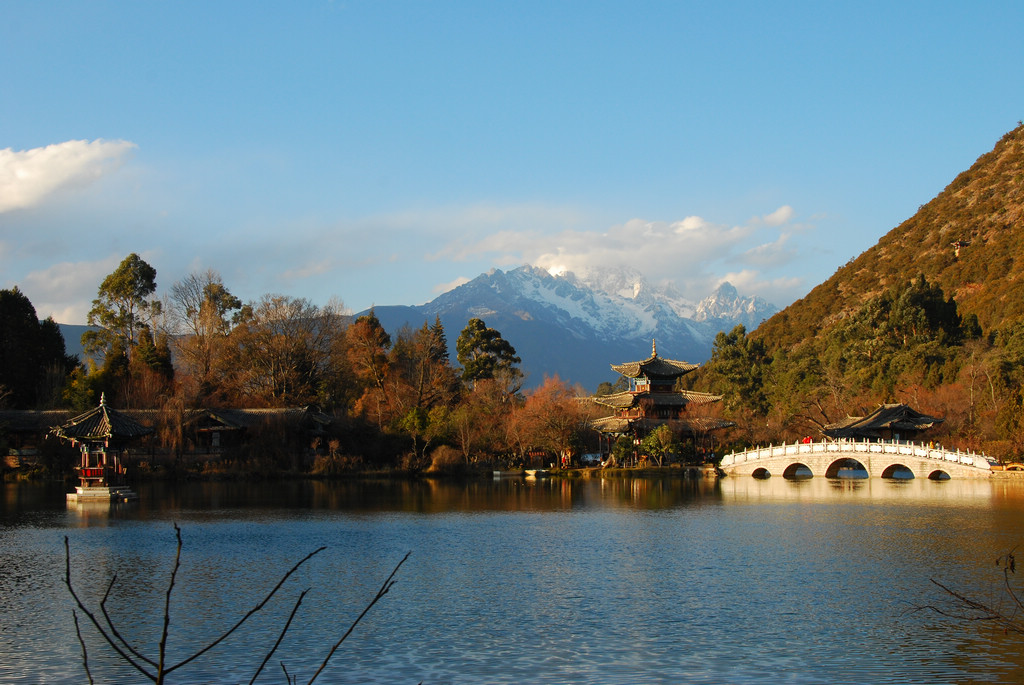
x=726, y=304
x=629, y=284
x=561, y=324
x=597, y=303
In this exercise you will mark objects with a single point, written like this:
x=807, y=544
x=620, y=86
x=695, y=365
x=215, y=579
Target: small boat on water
x=536, y=473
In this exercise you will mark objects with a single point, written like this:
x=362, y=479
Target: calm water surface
x=512, y=581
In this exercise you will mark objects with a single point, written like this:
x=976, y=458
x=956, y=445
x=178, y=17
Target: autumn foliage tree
x=554, y=418
x=367, y=351
x=281, y=350
x=422, y=385
x=203, y=313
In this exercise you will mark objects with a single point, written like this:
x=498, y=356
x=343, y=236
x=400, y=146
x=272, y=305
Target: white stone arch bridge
x=882, y=459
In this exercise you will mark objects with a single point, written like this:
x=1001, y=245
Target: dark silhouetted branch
x=157, y=671
x=384, y=589
x=970, y=610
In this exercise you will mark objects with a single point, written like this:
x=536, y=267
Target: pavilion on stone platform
x=101, y=434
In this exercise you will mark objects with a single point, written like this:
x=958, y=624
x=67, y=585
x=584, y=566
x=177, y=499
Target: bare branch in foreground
x=280, y=637
x=380, y=593
x=970, y=610
x=81, y=641
x=130, y=655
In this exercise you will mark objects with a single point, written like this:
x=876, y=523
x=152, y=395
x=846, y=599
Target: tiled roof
x=624, y=400
x=655, y=367
x=101, y=423
x=31, y=421
x=887, y=417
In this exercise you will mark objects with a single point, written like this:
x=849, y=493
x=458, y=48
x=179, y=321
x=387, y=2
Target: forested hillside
x=933, y=315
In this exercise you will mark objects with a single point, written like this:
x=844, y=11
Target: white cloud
x=65, y=291
x=691, y=253
x=27, y=177
x=779, y=216
x=771, y=253
x=451, y=285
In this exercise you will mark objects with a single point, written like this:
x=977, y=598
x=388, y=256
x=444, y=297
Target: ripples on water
x=598, y=581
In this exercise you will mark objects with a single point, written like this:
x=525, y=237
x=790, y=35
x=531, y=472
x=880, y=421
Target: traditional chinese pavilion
x=886, y=422
x=101, y=434
x=652, y=401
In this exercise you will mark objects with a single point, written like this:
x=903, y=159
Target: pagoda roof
x=101, y=423
x=627, y=399
x=887, y=417
x=654, y=366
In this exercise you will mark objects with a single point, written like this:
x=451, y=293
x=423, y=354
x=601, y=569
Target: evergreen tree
x=30, y=350
x=121, y=309
x=485, y=355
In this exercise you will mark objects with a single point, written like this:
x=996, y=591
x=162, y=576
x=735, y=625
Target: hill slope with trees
x=982, y=210
x=931, y=316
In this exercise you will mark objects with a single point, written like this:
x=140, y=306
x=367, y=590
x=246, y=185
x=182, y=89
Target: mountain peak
x=726, y=304
x=575, y=325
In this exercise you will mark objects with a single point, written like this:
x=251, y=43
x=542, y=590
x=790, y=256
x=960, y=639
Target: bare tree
x=157, y=670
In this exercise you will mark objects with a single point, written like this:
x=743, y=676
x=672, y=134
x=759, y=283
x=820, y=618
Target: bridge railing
x=920, y=450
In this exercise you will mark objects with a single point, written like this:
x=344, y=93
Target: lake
x=517, y=581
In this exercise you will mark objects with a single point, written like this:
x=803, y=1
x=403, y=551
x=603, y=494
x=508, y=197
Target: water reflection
x=877, y=489
x=551, y=581
x=414, y=496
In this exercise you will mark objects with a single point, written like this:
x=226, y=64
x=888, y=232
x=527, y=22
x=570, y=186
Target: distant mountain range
x=73, y=338
x=572, y=326
x=575, y=326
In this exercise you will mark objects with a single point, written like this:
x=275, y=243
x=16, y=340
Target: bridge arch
x=898, y=472
x=797, y=470
x=761, y=473
x=847, y=464
x=889, y=459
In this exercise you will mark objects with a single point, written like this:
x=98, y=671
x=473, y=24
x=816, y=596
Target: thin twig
x=975, y=611
x=245, y=618
x=81, y=641
x=167, y=604
x=280, y=637
x=92, y=618
x=113, y=629
x=380, y=593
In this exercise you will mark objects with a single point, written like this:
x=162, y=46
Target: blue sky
x=381, y=152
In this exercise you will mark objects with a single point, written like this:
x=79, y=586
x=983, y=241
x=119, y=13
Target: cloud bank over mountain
x=693, y=254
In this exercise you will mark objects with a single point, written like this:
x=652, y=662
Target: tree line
x=909, y=343
x=396, y=400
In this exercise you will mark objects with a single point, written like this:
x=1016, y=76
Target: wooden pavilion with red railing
x=101, y=434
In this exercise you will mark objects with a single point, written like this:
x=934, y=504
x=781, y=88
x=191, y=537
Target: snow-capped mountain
x=575, y=326
x=724, y=308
